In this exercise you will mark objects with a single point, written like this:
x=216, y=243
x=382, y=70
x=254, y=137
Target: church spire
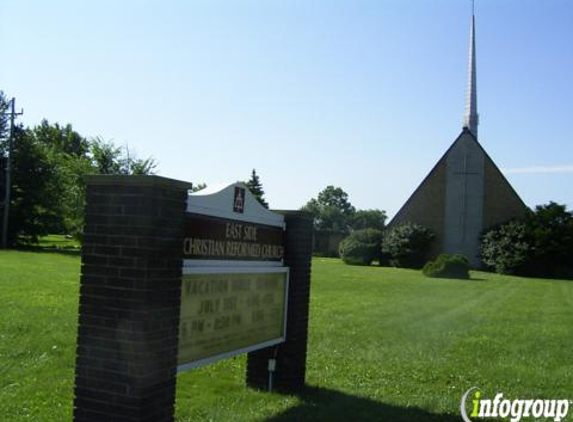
x=471, y=114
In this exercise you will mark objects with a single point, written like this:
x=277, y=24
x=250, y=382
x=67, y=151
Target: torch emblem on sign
x=239, y=200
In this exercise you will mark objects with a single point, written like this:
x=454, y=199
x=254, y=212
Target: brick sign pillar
x=129, y=299
x=290, y=356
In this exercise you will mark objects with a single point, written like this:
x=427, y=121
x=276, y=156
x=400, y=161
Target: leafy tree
x=110, y=159
x=256, y=187
x=361, y=247
x=369, y=219
x=69, y=152
x=407, y=245
x=141, y=166
x=198, y=187
x=37, y=187
x=331, y=210
x=62, y=139
x=541, y=245
x=550, y=230
x=107, y=157
x=48, y=189
x=506, y=248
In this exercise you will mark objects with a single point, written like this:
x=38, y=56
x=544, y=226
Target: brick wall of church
x=501, y=202
x=426, y=206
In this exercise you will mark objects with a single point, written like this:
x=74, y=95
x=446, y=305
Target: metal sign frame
x=239, y=270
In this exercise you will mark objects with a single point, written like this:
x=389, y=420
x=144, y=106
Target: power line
x=12, y=113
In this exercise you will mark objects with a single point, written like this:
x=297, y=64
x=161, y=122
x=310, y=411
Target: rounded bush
x=406, y=245
x=506, y=248
x=361, y=247
x=447, y=266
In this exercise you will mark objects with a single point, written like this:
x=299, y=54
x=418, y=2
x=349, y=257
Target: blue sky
x=365, y=95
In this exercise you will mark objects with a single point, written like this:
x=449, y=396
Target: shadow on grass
x=324, y=405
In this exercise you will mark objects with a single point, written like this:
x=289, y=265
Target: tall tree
x=48, y=188
x=106, y=157
x=550, y=229
x=541, y=245
x=69, y=151
x=331, y=210
x=62, y=139
x=369, y=219
x=256, y=187
x=111, y=159
x=38, y=189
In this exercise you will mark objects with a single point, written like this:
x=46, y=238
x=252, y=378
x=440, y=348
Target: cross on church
x=464, y=173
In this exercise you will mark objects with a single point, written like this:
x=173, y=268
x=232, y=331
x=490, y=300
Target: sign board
x=216, y=238
x=225, y=312
x=234, y=287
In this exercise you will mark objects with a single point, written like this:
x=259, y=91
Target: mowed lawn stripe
x=433, y=339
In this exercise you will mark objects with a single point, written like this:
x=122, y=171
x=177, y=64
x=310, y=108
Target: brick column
x=290, y=356
x=129, y=299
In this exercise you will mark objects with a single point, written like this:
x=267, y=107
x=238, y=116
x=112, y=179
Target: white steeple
x=471, y=114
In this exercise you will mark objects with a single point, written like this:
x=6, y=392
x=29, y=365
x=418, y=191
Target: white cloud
x=539, y=169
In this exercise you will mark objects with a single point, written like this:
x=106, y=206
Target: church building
x=465, y=193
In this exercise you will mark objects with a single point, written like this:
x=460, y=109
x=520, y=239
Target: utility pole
x=8, y=180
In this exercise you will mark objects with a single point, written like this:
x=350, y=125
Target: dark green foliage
x=407, y=245
x=361, y=247
x=62, y=139
x=550, y=230
x=447, y=266
x=141, y=166
x=369, y=219
x=256, y=187
x=540, y=246
x=506, y=248
x=331, y=211
x=68, y=151
x=37, y=188
x=106, y=157
x=49, y=163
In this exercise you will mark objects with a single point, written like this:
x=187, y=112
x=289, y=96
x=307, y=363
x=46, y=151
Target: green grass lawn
x=385, y=345
x=38, y=324
x=56, y=241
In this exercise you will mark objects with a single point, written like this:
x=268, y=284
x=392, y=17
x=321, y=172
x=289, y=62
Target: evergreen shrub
x=361, y=247
x=407, y=245
x=447, y=266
